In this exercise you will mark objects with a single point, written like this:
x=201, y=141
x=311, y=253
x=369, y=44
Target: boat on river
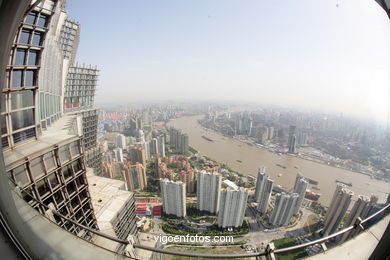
x=208, y=139
x=343, y=182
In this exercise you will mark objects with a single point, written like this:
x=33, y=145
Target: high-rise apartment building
x=178, y=140
x=292, y=139
x=173, y=195
x=208, y=191
x=188, y=177
x=300, y=187
x=263, y=190
x=138, y=154
x=121, y=141
x=118, y=155
x=284, y=209
x=161, y=145
x=360, y=209
x=135, y=176
x=232, y=207
x=153, y=147
x=338, y=207
x=43, y=148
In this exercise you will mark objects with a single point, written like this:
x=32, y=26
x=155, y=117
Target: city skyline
x=337, y=61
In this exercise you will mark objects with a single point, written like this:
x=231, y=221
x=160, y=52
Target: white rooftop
x=228, y=183
x=108, y=199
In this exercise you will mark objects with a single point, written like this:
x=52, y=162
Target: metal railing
x=269, y=252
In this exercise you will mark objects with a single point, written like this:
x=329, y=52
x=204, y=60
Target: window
x=75, y=202
x=31, y=17
x=58, y=197
x=37, y=168
x=30, y=78
x=20, y=57
x=25, y=37
x=24, y=135
x=22, y=99
x=67, y=172
x=80, y=181
x=49, y=161
x=77, y=166
x=20, y=175
x=37, y=39
x=42, y=105
x=3, y=124
x=43, y=187
x=71, y=188
x=3, y=99
x=17, y=79
x=4, y=142
x=22, y=119
x=32, y=58
x=53, y=181
x=64, y=154
x=63, y=211
x=42, y=21
x=74, y=148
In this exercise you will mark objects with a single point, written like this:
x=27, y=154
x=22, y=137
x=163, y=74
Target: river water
x=228, y=150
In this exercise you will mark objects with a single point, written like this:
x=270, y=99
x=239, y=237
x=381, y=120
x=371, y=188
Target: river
x=228, y=150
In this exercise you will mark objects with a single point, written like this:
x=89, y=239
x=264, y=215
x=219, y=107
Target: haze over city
x=259, y=51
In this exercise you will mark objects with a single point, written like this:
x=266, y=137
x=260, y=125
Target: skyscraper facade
x=135, y=176
x=178, y=140
x=161, y=145
x=188, y=177
x=284, y=209
x=137, y=154
x=263, y=190
x=121, y=141
x=292, y=139
x=43, y=147
x=173, y=195
x=232, y=207
x=208, y=191
x=118, y=155
x=153, y=147
x=300, y=187
x=338, y=207
x=360, y=209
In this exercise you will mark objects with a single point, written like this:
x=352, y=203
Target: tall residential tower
x=338, y=207
x=173, y=195
x=263, y=190
x=208, y=191
x=232, y=207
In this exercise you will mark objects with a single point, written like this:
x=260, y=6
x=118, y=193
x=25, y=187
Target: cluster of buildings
x=134, y=175
x=164, y=169
x=228, y=203
x=137, y=148
x=335, y=139
x=286, y=204
x=337, y=210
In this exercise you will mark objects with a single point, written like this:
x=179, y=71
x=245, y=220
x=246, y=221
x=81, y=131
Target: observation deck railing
x=269, y=252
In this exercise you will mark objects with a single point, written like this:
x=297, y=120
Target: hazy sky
x=326, y=54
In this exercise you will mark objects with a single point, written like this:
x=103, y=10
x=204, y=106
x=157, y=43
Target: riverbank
x=271, y=149
x=246, y=159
